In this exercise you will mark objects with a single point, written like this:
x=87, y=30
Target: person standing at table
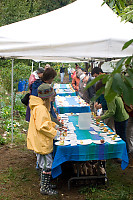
x=76, y=80
x=101, y=103
x=117, y=111
x=62, y=73
x=82, y=92
x=88, y=93
x=36, y=75
x=73, y=73
x=96, y=71
x=76, y=66
x=69, y=72
x=129, y=133
x=48, y=77
x=41, y=133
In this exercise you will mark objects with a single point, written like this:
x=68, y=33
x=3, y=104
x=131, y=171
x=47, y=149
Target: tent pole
x=32, y=67
x=12, y=101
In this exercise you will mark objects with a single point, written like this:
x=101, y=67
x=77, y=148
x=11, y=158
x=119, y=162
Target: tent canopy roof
x=81, y=30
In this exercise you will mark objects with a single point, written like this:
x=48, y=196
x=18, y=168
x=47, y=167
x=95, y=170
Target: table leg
x=98, y=176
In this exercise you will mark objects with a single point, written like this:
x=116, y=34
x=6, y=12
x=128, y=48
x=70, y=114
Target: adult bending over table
x=117, y=111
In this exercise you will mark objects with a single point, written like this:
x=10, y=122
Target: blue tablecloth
x=61, y=86
x=74, y=106
x=87, y=152
x=65, y=92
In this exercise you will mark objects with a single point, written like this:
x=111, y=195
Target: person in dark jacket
x=62, y=73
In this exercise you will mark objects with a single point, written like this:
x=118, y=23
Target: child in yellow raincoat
x=41, y=133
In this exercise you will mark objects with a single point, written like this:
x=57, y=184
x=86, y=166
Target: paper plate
x=111, y=142
x=97, y=142
x=84, y=142
x=103, y=134
x=111, y=133
x=65, y=143
x=65, y=138
x=117, y=139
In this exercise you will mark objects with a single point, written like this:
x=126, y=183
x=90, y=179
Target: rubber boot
x=53, y=186
x=46, y=186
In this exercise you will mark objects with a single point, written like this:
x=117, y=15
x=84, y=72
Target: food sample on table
x=97, y=123
x=101, y=124
x=81, y=141
x=62, y=138
x=64, y=133
x=110, y=132
x=61, y=142
x=114, y=137
x=105, y=129
x=102, y=141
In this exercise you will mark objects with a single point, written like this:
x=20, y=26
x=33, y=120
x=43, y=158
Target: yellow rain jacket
x=41, y=129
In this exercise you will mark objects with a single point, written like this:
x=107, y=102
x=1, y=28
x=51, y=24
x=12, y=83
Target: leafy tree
x=124, y=8
x=15, y=10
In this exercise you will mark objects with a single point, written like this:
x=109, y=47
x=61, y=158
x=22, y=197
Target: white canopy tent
x=79, y=31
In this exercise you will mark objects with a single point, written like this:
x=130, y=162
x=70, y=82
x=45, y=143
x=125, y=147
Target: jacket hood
x=35, y=101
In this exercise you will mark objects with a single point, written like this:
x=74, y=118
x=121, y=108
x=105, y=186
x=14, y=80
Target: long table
x=87, y=152
x=65, y=92
x=68, y=104
x=62, y=86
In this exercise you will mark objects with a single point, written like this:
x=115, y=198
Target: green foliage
x=123, y=8
x=20, y=72
x=2, y=140
x=119, y=82
x=127, y=44
x=127, y=14
x=101, y=76
x=19, y=123
x=16, y=10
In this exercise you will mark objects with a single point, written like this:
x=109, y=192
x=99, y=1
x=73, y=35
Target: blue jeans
x=120, y=128
x=62, y=76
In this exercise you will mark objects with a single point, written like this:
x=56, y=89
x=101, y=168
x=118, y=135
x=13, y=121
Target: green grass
x=120, y=185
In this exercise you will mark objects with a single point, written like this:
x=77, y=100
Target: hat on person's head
x=45, y=91
x=40, y=70
x=82, y=76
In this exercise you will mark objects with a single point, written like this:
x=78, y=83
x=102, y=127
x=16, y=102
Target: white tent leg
x=12, y=101
x=32, y=67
